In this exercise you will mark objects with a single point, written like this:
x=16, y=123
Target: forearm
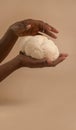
x=9, y=67
x=6, y=43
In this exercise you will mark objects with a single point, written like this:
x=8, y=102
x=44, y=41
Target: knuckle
x=29, y=19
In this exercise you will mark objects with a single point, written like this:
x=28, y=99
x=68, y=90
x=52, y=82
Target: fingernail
x=66, y=55
x=56, y=31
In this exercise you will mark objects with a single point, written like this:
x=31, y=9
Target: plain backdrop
x=40, y=99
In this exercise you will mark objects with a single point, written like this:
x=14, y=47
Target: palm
x=34, y=63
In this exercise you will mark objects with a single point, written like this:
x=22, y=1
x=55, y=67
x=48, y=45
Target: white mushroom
x=39, y=47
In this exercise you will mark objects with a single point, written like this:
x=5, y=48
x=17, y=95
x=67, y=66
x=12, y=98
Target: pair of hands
x=35, y=27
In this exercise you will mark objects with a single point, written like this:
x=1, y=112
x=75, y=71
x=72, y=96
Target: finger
x=50, y=34
x=39, y=34
x=52, y=28
x=63, y=55
x=59, y=60
x=41, y=62
x=38, y=63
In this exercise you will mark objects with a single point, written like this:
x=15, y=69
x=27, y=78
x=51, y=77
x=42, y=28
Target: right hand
x=32, y=27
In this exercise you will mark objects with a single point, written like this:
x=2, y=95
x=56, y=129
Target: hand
x=26, y=61
x=32, y=27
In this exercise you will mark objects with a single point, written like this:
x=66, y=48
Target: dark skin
x=19, y=29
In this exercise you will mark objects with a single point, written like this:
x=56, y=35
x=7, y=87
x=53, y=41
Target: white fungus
x=39, y=47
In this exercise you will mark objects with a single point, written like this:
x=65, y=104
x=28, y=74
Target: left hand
x=26, y=61
x=32, y=27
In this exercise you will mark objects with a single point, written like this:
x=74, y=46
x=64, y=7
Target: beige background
x=40, y=99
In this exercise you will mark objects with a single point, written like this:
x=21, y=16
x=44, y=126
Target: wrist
x=12, y=33
x=17, y=61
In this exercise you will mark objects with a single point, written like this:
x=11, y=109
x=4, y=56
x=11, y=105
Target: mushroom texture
x=39, y=47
